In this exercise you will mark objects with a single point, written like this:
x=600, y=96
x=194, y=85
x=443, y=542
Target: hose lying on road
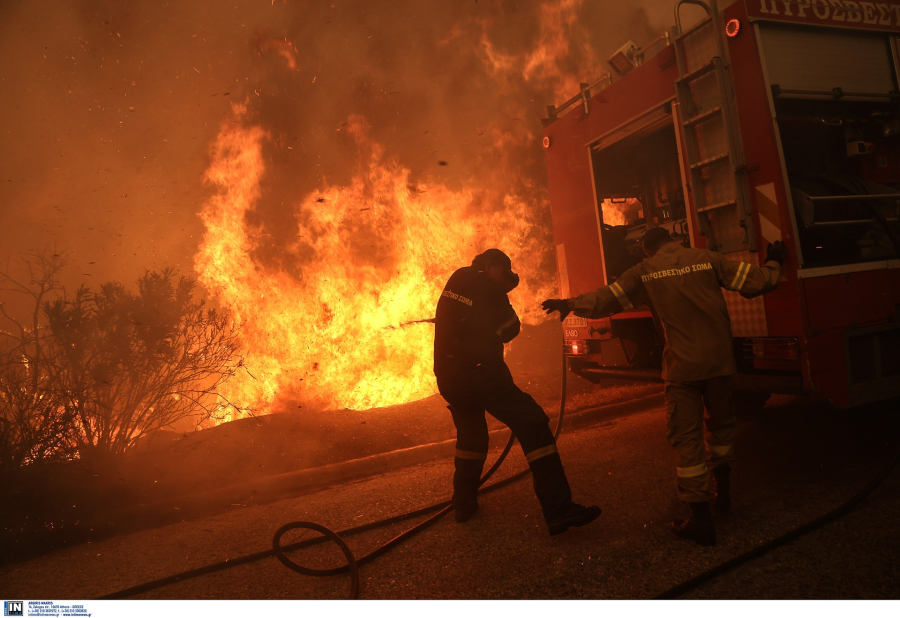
x=443, y=508
x=353, y=563
x=756, y=552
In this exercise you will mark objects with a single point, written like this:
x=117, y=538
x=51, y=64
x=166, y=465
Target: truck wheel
x=749, y=402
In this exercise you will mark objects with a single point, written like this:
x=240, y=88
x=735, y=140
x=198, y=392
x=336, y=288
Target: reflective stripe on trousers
x=541, y=452
x=693, y=471
x=723, y=451
x=492, y=390
x=697, y=454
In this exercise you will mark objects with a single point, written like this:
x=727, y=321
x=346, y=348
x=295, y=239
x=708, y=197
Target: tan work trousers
x=698, y=454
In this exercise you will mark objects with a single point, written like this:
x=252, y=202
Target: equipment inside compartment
x=835, y=148
x=638, y=183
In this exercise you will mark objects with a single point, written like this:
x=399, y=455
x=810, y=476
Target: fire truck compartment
x=834, y=151
x=836, y=101
x=787, y=128
x=637, y=181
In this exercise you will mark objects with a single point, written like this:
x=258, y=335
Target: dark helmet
x=492, y=256
x=496, y=257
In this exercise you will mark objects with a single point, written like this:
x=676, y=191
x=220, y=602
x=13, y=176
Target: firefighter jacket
x=472, y=321
x=682, y=288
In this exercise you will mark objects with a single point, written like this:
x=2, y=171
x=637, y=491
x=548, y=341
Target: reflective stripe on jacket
x=682, y=288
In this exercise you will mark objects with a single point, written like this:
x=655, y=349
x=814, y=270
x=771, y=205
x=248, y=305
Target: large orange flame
x=560, y=58
x=621, y=212
x=373, y=254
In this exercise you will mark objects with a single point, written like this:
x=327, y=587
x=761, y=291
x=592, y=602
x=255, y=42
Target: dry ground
x=797, y=460
x=53, y=507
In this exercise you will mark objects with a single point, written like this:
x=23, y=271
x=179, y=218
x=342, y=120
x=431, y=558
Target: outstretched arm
x=749, y=280
x=624, y=294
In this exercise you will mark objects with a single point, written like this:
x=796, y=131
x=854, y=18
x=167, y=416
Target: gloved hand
x=557, y=304
x=776, y=251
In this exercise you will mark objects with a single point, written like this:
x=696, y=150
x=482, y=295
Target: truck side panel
x=646, y=87
x=572, y=206
x=766, y=178
x=840, y=308
x=572, y=199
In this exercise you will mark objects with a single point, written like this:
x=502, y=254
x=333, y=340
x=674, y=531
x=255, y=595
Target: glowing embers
x=322, y=323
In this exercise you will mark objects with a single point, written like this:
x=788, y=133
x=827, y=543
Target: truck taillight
x=575, y=346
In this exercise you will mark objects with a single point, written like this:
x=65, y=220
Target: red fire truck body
x=771, y=120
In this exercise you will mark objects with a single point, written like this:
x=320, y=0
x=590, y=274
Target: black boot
x=574, y=515
x=552, y=489
x=721, y=488
x=465, y=487
x=699, y=526
x=464, y=508
x=551, y=485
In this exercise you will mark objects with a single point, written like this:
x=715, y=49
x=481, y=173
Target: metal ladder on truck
x=716, y=172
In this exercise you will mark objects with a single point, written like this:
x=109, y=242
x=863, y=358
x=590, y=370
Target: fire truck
x=769, y=120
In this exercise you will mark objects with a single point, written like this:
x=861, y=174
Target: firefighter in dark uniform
x=472, y=322
x=682, y=288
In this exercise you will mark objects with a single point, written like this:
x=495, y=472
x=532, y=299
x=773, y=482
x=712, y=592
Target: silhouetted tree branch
x=89, y=374
x=33, y=423
x=138, y=363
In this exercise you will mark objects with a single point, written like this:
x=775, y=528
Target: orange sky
x=109, y=109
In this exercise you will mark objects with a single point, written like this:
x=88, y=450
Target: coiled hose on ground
x=441, y=509
x=353, y=563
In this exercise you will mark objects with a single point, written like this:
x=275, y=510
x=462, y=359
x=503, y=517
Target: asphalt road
x=797, y=461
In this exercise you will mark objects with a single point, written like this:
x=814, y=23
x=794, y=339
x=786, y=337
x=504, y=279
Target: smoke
x=110, y=108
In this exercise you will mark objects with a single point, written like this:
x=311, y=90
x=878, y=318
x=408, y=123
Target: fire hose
x=442, y=508
x=353, y=563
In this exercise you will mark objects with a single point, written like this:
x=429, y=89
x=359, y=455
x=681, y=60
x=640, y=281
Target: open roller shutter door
x=821, y=59
x=647, y=122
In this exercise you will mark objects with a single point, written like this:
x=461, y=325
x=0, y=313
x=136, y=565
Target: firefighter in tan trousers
x=682, y=288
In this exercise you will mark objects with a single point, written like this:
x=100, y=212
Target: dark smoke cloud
x=109, y=109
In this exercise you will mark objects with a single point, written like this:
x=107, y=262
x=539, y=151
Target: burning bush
x=321, y=321
x=95, y=371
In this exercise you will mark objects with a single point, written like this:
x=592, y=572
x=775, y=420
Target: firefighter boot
x=721, y=488
x=555, y=496
x=574, y=515
x=466, y=479
x=698, y=527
